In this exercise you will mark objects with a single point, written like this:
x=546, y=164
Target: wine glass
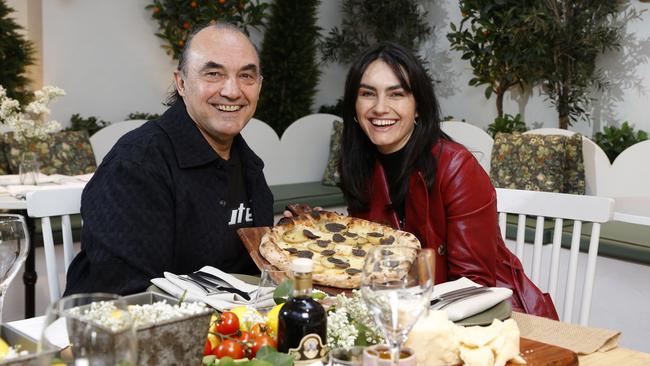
x=396, y=284
x=270, y=279
x=88, y=329
x=14, y=245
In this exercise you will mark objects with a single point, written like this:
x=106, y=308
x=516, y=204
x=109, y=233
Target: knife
x=210, y=280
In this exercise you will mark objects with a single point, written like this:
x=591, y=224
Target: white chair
x=103, y=140
x=473, y=138
x=557, y=206
x=43, y=204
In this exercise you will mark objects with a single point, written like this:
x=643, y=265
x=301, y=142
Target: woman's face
x=385, y=111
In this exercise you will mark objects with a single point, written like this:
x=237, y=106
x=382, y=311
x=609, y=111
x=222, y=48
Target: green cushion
x=628, y=242
x=311, y=193
x=64, y=152
x=331, y=175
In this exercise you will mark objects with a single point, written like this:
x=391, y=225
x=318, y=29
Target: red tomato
x=261, y=341
x=208, y=348
x=243, y=336
x=228, y=323
x=230, y=348
x=259, y=329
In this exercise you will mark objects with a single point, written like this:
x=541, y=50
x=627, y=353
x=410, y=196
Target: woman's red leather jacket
x=458, y=218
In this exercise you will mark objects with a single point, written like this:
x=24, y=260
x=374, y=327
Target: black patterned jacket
x=156, y=203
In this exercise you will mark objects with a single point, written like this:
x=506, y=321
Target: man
x=170, y=195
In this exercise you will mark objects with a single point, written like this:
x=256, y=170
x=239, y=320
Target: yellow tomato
x=272, y=319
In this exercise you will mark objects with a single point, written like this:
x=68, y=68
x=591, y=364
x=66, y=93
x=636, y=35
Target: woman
x=399, y=169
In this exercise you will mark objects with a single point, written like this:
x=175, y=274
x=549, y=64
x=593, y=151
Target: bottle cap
x=302, y=265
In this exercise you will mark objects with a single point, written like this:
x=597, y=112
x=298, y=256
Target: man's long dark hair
x=359, y=154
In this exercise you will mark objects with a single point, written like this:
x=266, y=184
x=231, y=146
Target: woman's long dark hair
x=359, y=154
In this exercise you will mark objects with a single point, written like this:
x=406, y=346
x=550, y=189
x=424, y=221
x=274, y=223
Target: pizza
x=337, y=244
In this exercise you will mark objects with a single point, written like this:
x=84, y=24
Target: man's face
x=221, y=84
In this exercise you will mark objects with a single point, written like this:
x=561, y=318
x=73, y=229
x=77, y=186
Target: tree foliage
x=577, y=32
x=499, y=40
x=369, y=21
x=177, y=18
x=289, y=63
x=16, y=53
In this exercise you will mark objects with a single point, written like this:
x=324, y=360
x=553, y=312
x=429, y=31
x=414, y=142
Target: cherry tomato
x=261, y=341
x=243, y=336
x=259, y=329
x=230, y=348
x=228, y=323
x=208, y=348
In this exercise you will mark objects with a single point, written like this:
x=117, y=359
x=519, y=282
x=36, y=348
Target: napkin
x=14, y=179
x=220, y=301
x=472, y=305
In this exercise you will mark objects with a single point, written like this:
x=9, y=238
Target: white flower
x=349, y=320
x=30, y=121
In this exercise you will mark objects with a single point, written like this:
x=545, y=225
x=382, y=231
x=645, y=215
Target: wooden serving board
x=543, y=354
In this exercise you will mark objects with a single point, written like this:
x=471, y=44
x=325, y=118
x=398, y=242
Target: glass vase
x=28, y=168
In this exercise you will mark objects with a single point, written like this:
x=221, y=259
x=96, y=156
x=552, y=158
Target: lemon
x=4, y=348
x=213, y=323
x=247, y=317
x=272, y=319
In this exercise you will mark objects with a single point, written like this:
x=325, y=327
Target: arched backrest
x=103, y=140
x=596, y=163
x=59, y=201
x=558, y=207
x=300, y=155
x=473, y=138
x=632, y=179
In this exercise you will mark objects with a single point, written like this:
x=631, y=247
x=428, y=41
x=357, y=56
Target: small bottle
x=302, y=322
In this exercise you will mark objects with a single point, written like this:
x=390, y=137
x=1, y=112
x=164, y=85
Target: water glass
x=29, y=169
x=270, y=279
x=88, y=329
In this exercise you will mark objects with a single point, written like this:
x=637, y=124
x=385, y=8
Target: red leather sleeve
x=472, y=227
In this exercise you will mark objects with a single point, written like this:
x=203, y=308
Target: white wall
x=106, y=56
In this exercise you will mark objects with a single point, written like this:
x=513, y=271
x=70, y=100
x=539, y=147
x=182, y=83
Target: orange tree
x=177, y=18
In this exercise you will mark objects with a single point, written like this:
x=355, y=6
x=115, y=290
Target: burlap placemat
x=579, y=339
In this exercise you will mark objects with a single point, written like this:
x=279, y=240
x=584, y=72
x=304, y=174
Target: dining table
x=543, y=341
x=12, y=198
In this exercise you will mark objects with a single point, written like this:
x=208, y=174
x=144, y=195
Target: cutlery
x=457, y=295
x=213, y=282
x=444, y=303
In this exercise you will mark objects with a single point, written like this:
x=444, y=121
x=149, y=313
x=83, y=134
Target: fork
x=444, y=300
x=207, y=291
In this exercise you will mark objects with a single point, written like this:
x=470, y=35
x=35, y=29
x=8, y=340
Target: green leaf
x=273, y=357
x=208, y=360
x=226, y=361
x=283, y=291
x=488, y=92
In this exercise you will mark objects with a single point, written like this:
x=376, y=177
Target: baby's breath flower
x=349, y=320
x=30, y=123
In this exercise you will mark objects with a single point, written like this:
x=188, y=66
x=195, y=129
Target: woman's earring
x=355, y=119
x=415, y=121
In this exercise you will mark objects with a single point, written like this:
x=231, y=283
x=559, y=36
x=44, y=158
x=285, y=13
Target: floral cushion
x=65, y=152
x=538, y=163
x=331, y=175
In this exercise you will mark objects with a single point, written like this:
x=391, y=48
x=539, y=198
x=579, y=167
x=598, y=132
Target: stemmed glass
x=14, y=245
x=396, y=284
x=88, y=329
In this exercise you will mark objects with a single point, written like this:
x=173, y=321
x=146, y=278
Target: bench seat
x=311, y=193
